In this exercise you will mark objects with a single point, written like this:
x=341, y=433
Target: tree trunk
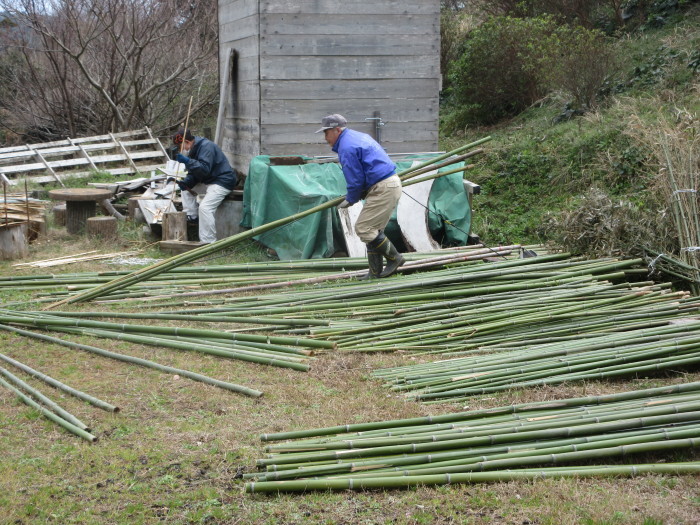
x=175, y=226
x=104, y=227
x=111, y=210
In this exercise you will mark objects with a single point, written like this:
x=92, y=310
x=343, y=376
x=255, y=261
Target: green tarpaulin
x=276, y=192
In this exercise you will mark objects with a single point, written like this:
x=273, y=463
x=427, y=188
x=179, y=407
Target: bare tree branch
x=112, y=65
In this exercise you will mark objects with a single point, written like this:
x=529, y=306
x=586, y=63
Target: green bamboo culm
x=53, y=406
x=472, y=477
x=457, y=447
x=138, y=361
x=57, y=384
x=70, y=427
x=187, y=257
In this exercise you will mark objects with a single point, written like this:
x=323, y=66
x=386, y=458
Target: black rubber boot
x=393, y=258
x=376, y=263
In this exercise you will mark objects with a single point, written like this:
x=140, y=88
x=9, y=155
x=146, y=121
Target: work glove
x=181, y=158
x=344, y=204
x=181, y=186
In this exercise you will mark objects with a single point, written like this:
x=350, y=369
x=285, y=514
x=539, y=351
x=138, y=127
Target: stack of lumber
x=16, y=208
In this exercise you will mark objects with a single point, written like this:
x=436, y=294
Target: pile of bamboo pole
x=44, y=405
x=441, y=161
x=211, y=280
x=17, y=208
x=280, y=351
x=510, y=442
x=628, y=353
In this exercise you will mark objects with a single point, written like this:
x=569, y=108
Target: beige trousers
x=379, y=204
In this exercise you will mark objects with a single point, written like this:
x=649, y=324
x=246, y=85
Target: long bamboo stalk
x=472, y=477
x=45, y=400
x=57, y=384
x=184, y=258
x=50, y=415
x=138, y=361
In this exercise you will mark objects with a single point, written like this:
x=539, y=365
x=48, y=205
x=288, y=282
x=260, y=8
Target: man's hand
x=182, y=159
x=344, y=204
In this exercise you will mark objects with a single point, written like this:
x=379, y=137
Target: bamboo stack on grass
x=510, y=442
x=124, y=358
x=43, y=404
x=200, y=281
x=631, y=352
x=288, y=352
x=187, y=257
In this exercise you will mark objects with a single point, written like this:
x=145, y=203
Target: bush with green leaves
x=497, y=74
x=510, y=63
x=579, y=62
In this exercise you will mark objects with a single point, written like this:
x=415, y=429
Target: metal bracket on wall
x=378, y=124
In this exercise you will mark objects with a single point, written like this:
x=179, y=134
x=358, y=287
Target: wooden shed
x=287, y=63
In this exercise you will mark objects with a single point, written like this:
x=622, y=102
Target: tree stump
x=104, y=227
x=13, y=242
x=59, y=214
x=175, y=226
x=134, y=211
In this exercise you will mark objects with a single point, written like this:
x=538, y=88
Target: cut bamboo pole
x=184, y=258
x=57, y=384
x=48, y=414
x=138, y=361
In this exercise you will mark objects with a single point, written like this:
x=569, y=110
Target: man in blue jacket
x=208, y=172
x=370, y=175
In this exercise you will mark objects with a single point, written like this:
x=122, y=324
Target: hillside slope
x=590, y=183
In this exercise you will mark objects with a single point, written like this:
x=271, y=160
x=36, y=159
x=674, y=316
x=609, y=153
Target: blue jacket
x=208, y=165
x=363, y=161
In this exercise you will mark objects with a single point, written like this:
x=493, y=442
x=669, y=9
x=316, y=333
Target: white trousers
x=213, y=195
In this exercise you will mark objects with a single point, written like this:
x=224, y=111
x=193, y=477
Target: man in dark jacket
x=208, y=173
x=370, y=175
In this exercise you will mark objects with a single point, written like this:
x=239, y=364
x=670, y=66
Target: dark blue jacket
x=208, y=165
x=363, y=161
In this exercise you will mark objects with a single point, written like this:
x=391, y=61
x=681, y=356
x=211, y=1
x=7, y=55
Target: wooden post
x=104, y=227
x=175, y=226
x=13, y=242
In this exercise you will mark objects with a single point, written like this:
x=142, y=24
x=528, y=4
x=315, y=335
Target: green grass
x=537, y=165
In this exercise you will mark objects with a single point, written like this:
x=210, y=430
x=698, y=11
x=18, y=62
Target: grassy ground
x=176, y=450
x=540, y=164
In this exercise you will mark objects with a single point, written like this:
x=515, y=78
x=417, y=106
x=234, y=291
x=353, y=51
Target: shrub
x=453, y=28
x=579, y=62
x=587, y=13
x=599, y=225
x=510, y=63
x=497, y=74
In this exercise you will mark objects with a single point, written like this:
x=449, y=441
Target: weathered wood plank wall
x=299, y=60
x=239, y=31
